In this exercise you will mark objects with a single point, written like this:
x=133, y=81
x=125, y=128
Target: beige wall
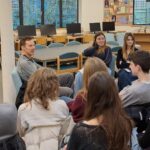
x=90, y=11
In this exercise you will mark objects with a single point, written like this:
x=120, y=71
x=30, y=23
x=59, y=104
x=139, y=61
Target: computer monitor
x=48, y=29
x=73, y=28
x=109, y=26
x=26, y=30
x=95, y=27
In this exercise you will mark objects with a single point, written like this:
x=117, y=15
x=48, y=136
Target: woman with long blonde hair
x=76, y=106
x=41, y=115
x=124, y=75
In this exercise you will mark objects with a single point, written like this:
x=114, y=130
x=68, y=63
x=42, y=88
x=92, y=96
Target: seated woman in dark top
x=106, y=126
x=99, y=49
x=124, y=75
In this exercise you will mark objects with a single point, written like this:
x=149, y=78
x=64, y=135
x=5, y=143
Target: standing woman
x=41, y=115
x=105, y=125
x=100, y=49
x=124, y=75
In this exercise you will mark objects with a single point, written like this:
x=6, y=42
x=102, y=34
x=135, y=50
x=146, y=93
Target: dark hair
x=43, y=85
x=23, y=41
x=141, y=58
x=103, y=99
x=95, y=37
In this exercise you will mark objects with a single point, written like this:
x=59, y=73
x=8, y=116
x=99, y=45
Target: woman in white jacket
x=41, y=116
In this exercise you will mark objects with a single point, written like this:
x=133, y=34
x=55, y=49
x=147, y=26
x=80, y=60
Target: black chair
x=140, y=114
x=9, y=138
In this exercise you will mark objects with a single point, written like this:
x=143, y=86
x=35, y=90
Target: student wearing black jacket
x=124, y=75
x=100, y=49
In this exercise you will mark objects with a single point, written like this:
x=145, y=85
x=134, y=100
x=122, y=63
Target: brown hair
x=42, y=85
x=101, y=49
x=141, y=58
x=23, y=41
x=124, y=49
x=92, y=65
x=103, y=99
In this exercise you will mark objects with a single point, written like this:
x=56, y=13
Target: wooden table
x=50, y=54
x=143, y=39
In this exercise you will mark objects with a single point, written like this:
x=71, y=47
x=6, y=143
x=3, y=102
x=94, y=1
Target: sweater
x=40, y=127
x=77, y=107
x=87, y=137
x=137, y=93
x=106, y=56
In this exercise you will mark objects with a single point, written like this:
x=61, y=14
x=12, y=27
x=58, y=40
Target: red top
x=77, y=107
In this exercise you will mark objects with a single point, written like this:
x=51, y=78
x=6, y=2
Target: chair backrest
x=115, y=49
x=112, y=65
x=16, y=79
x=120, y=38
x=69, y=55
x=39, y=46
x=73, y=43
x=8, y=119
x=55, y=45
x=9, y=139
x=109, y=37
x=68, y=62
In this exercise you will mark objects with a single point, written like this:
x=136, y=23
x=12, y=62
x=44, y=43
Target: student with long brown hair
x=100, y=49
x=124, y=75
x=105, y=125
x=40, y=117
x=77, y=106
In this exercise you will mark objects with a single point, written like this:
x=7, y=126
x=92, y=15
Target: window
x=69, y=11
x=37, y=12
x=15, y=6
x=141, y=12
x=32, y=12
x=51, y=12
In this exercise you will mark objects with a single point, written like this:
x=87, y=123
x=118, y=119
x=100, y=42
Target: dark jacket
x=121, y=62
x=106, y=56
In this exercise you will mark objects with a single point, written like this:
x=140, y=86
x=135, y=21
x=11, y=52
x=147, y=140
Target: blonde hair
x=42, y=85
x=124, y=49
x=91, y=66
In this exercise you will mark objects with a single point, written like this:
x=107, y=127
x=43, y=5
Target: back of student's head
x=141, y=58
x=92, y=65
x=103, y=100
x=42, y=85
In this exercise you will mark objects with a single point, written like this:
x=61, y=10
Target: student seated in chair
x=125, y=76
x=100, y=49
x=105, y=125
x=139, y=91
x=26, y=66
x=77, y=106
x=41, y=115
